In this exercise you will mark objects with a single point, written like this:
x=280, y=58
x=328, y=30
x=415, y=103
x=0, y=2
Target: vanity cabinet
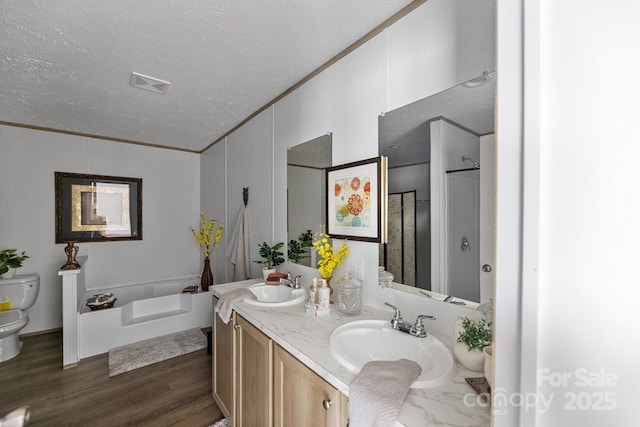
x=254, y=376
x=242, y=375
x=223, y=365
x=257, y=383
x=302, y=398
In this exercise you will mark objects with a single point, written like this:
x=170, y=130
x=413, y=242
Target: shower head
x=475, y=164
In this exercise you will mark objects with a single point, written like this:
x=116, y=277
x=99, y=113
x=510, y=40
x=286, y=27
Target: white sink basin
x=275, y=296
x=356, y=343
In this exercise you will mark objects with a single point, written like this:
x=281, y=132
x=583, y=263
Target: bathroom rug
x=144, y=353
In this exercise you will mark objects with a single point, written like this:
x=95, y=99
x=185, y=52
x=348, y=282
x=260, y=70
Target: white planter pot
x=266, y=272
x=488, y=364
x=9, y=274
x=473, y=360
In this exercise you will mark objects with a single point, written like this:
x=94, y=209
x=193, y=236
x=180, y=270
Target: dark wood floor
x=176, y=392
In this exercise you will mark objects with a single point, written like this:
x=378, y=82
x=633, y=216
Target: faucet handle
x=419, y=330
x=296, y=281
x=396, y=315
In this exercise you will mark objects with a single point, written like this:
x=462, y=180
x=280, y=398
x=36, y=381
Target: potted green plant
x=10, y=261
x=471, y=336
x=297, y=251
x=271, y=257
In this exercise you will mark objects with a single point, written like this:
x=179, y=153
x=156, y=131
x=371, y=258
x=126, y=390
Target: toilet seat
x=11, y=319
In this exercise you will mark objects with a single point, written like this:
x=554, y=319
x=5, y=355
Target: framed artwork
x=353, y=200
x=97, y=208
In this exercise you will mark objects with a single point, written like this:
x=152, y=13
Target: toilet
x=16, y=295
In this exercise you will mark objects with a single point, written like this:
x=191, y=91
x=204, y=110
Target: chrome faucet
x=417, y=330
x=451, y=299
x=293, y=285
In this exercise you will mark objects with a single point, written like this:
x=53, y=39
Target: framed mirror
x=306, y=193
x=440, y=178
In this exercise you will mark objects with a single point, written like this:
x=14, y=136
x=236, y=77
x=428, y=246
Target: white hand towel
x=238, y=249
x=223, y=307
x=378, y=392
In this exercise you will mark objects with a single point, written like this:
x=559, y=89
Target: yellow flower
x=329, y=259
x=205, y=237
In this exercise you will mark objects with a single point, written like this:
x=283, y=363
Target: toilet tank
x=21, y=290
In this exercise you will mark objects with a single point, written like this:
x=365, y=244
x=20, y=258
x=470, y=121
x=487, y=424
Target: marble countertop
x=307, y=338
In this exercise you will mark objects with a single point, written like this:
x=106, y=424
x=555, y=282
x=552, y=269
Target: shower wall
x=455, y=199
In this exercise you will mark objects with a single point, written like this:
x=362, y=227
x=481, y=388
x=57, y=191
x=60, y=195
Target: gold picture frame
x=97, y=208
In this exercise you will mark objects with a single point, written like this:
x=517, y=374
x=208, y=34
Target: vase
x=206, y=279
x=470, y=359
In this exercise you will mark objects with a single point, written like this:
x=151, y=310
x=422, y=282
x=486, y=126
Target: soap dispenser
x=313, y=291
x=324, y=296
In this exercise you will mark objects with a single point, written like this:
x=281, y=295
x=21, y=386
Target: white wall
x=213, y=202
x=171, y=191
x=586, y=148
x=409, y=178
x=250, y=164
x=573, y=152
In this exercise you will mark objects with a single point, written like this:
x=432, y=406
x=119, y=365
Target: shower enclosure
x=455, y=203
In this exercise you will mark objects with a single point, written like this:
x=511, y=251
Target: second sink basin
x=356, y=343
x=275, y=296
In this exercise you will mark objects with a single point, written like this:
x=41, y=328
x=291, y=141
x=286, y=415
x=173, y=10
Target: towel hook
x=464, y=244
x=245, y=195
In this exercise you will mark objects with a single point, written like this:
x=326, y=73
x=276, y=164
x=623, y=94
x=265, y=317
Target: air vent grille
x=149, y=83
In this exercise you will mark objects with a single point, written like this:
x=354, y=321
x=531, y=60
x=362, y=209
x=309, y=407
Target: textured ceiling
x=66, y=64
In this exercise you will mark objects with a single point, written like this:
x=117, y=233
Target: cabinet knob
x=326, y=404
x=236, y=326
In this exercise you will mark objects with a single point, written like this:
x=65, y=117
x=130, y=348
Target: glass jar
x=349, y=295
x=384, y=277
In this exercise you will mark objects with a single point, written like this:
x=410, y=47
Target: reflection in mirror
x=306, y=193
x=440, y=182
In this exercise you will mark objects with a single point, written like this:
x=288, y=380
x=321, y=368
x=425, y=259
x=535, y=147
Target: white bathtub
x=142, y=311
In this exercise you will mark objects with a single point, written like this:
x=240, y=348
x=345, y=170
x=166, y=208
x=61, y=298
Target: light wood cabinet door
x=254, y=377
x=223, y=365
x=303, y=398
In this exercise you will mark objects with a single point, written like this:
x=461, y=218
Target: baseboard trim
x=45, y=331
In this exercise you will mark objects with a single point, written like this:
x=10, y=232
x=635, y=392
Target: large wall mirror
x=440, y=191
x=306, y=192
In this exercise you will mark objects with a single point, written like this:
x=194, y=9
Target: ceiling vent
x=149, y=83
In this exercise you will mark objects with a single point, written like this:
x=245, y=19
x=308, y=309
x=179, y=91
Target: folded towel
x=378, y=391
x=223, y=307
